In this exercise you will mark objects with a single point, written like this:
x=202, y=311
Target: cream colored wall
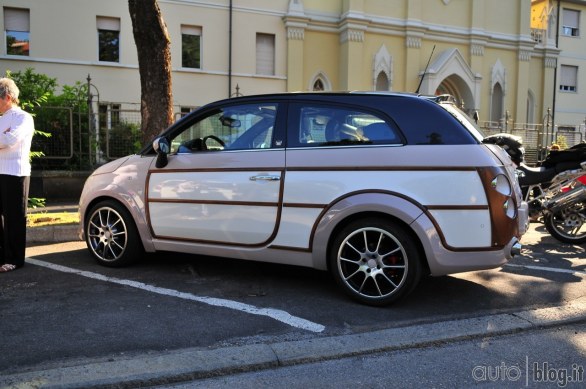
x=398, y=7
x=65, y=47
x=570, y=106
x=214, y=24
x=503, y=16
x=63, y=38
x=455, y=15
x=501, y=27
x=321, y=52
x=324, y=6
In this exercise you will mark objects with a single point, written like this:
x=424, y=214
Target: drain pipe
x=230, y=52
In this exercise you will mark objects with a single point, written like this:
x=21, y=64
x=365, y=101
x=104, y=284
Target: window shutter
x=571, y=18
x=107, y=23
x=569, y=75
x=16, y=19
x=265, y=54
x=190, y=30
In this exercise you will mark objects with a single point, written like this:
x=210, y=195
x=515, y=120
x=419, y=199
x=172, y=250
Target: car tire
x=376, y=262
x=111, y=235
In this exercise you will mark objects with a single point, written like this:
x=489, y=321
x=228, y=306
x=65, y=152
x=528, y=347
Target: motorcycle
x=555, y=191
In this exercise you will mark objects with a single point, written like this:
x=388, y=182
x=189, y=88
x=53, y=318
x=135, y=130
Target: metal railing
x=536, y=137
x=79, y=142
x=538, y=35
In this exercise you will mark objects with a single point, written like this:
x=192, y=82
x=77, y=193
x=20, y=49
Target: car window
x=426, y=123
x=323, y=125
x=464, y=119
x=235, y=127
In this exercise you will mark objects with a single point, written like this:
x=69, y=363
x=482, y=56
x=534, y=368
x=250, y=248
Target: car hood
x=110, y=166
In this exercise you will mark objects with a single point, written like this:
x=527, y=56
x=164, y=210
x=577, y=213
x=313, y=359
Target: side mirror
x=162, y=148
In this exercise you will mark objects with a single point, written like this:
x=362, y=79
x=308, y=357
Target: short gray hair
x=8, y=88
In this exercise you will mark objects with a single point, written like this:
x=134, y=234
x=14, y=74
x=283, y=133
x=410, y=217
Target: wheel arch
x=133, y=209
x=389, y=206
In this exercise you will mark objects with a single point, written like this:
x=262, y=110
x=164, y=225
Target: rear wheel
x=111, y=235
x=376, y=262
x=568, y=225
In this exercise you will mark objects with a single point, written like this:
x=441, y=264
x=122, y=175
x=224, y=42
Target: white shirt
x=16, y=134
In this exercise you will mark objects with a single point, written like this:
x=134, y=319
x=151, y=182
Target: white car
x=378, y=188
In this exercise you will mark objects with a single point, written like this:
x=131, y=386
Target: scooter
x=555, y=191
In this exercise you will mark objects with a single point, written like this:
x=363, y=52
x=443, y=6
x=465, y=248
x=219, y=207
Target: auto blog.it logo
x=534, y=372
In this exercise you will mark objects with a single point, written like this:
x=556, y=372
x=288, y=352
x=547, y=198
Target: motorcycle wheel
x=568, y=225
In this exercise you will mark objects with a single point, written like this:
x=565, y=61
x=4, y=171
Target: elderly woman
x=16, y=134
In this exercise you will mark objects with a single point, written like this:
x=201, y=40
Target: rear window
x=426, y=123
x=463, y=118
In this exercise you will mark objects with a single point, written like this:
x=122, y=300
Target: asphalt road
x=62, y=309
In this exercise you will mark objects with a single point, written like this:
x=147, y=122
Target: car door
x=223, y=182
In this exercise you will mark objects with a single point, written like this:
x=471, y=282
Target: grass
x=43, y=219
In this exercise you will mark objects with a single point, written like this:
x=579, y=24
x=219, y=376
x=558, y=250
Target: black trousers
x=13, y=206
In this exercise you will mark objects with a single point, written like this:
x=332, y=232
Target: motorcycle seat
x=535, y=175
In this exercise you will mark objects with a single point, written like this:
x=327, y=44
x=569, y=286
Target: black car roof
x=304, y=94
x=340, y=96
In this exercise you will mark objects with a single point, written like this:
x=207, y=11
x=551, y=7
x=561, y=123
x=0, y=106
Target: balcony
x=538, y=35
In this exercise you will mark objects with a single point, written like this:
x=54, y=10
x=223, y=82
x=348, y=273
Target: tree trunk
x=154, y=62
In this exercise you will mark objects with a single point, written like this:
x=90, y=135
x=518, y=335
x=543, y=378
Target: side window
x=236, y=127
x=321, y=125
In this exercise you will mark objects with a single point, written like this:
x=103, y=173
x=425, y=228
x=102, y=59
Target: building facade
x=560, y=23
x=499, y=58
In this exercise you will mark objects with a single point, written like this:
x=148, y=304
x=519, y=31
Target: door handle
x=265, y=177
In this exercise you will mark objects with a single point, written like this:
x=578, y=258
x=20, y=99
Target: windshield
x=464, y=119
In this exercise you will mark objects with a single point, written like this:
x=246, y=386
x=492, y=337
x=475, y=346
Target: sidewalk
x=185, y=365
x=56, y=233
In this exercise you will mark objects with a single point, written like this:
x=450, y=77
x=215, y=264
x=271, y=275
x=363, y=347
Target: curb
x=191, y=364
x=52, y=234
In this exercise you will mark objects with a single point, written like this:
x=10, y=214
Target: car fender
x=101, y=187
x=354, y=205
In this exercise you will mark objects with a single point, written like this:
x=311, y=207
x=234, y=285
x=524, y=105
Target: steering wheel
x=205, y=139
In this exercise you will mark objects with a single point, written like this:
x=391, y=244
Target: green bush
x=122, y=139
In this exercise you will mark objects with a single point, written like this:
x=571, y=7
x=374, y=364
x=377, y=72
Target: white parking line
x=551, y=269
x=275, y=314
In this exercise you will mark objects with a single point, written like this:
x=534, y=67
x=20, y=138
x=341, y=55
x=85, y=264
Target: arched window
x=382, y=82
x=530, y=107
x=319, y=82
x=382, y=70
x=496, y=111
x=498, y=92
x=318, y=85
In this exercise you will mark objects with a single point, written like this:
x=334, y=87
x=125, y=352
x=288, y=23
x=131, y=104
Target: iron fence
x=82, y=139
x=537, y=138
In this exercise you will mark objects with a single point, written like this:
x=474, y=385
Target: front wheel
x=568, y=225
x=111, y=235
x=374, y=261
